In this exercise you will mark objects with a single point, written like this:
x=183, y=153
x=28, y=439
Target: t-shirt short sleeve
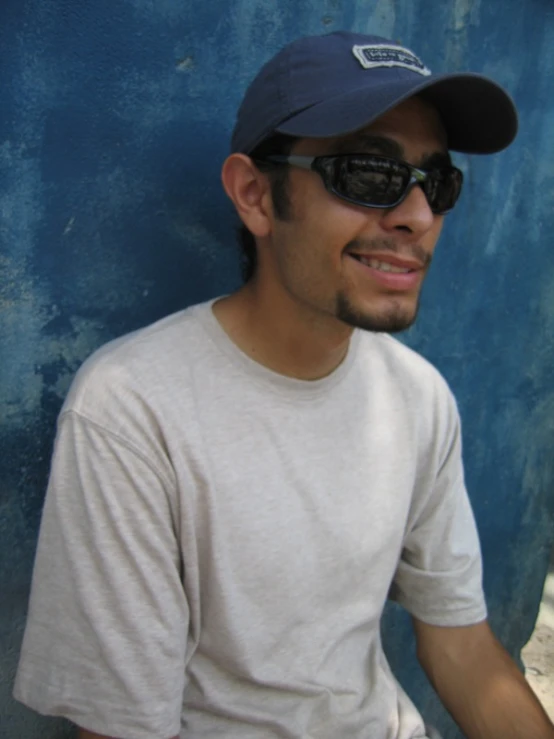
x=108, y=617
x=439, y=575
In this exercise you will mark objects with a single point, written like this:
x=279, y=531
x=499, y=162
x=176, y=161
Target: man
x=237, y=489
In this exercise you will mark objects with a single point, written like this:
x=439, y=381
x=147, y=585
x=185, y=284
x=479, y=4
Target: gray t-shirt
x=218, y=541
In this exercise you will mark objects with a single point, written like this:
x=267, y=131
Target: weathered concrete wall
x=114, y=121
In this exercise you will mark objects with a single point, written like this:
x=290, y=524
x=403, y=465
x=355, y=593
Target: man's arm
x=84, y=734
x=479, y=683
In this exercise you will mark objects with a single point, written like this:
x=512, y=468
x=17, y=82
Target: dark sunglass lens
x=371, y=180
x=442, y=189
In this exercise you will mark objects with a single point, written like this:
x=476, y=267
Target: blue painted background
x=114, y=121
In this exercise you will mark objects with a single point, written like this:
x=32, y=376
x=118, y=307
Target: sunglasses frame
x=317, y=164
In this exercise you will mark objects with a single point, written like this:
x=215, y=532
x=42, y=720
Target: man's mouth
x=382, y=266
x=399, y=274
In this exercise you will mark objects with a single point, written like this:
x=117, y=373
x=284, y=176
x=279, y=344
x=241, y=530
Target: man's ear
x=249, y=189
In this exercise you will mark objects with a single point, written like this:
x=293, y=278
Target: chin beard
x=391, y=321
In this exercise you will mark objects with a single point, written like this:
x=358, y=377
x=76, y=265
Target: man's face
x=363, y=266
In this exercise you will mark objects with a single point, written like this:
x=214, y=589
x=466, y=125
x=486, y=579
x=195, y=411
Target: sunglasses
x=379, y=182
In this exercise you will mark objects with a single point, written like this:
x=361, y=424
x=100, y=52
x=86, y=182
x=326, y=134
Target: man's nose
x=412, y=215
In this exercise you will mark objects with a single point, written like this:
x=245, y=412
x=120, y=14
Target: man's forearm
x=484, y=691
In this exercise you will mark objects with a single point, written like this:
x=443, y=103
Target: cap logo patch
x=385, y=55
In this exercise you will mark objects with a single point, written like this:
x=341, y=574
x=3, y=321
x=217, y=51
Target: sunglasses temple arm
x=300, y=161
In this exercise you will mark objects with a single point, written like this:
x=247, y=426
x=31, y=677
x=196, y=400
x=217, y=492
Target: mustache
x=367, y=246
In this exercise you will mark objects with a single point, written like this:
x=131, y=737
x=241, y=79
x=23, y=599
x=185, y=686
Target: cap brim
x=478, y=115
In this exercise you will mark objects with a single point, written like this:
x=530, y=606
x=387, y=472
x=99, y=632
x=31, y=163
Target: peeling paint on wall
x=383, y=17
x=464, y=13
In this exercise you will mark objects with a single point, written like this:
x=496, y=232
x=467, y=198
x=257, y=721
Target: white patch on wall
x=465, y=12
x=380, y=22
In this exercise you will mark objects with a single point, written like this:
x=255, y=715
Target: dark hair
x=279, y=143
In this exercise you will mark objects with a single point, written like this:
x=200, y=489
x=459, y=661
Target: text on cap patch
x=371, y=56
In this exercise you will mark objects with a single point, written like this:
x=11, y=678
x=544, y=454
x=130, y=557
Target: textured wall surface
x=114, y=121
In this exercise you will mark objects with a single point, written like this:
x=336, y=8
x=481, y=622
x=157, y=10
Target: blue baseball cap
x=331, y=85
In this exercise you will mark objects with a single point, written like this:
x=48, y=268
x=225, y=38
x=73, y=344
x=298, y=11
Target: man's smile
x=398, y=273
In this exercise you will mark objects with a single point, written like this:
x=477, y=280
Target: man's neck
x=281, y=335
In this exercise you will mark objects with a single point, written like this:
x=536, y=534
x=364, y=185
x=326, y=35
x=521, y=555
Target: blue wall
x=114, y=121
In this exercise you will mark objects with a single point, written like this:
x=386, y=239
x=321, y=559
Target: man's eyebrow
x=360, y=143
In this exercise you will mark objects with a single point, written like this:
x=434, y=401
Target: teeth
x=383, y=266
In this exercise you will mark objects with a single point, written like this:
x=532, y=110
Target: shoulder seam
x=123, y=441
